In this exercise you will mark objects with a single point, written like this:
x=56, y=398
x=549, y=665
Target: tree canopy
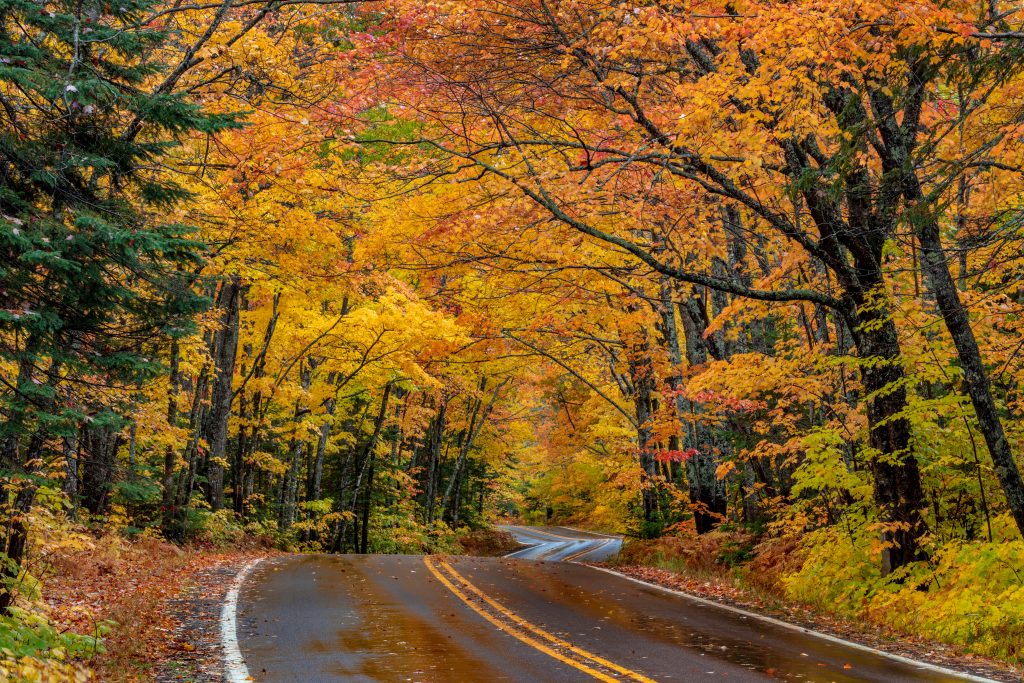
x=355, y=275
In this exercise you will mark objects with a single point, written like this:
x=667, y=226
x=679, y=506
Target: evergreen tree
x=90, y=281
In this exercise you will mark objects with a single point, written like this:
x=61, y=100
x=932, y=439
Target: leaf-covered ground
x=157, y=603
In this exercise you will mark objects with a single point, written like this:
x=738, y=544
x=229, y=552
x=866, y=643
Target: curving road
x=309, y=618
x=563, y=544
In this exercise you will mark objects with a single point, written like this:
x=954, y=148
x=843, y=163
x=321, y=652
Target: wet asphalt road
x=403, y=618
x=561, y=543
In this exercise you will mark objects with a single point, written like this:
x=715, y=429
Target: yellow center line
x=531, y=628
x=586, y=551
x=509, y=614
x=515, y=633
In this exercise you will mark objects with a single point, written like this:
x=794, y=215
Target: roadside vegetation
x=794, y=580
x=741, y=280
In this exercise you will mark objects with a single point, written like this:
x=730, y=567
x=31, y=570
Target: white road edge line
x=800, y=629
x=235, y=670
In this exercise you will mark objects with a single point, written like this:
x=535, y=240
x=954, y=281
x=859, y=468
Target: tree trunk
x=100, y=446
x=976, y=380
x=475, y=425
x=290, y=486
x=641, y=375
x=70, y=485
x=239, y=469
x=365, y=462
x=367, y=502
x=225, y=350
x=867, y=310
x=249, y=438
x=316, y=474
x=435, y=441
x=14, y=504
x=706, y=490
x=184, y=483
x=446, y=513
x=897, y=484
x=15, y=543
x=16, y=499
x=170, y=455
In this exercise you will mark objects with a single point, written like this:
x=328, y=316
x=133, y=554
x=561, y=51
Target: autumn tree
x=93, y=283
x=693, y=123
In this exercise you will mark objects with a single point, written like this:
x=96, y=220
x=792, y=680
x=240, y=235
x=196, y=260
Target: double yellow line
x=570, y=558
x=509, y=622
x=586, y=551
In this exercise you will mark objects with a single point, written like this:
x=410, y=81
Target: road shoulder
x=198, y=654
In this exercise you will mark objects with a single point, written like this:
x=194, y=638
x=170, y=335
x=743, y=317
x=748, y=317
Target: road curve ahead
x=562, y=543
x=310, y=618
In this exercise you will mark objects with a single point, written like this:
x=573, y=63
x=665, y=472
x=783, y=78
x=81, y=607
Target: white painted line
x=800, y=629
x=235, y=670
x=551, y=550
x=539, y=551
x=528, y=548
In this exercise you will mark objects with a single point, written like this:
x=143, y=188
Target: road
x=561, y=543
x=308, y=618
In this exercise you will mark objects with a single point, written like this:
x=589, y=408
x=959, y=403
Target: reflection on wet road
x=454, y=619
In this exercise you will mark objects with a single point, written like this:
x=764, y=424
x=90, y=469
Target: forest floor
x=726, y=591
x=156, y=603
x=196, y=656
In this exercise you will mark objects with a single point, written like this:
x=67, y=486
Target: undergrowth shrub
x=32, y=647
x=703, y=555
x=32, y=650
x=400, y=533
x=773, y=560
x=225, y=529
x=967, y=593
